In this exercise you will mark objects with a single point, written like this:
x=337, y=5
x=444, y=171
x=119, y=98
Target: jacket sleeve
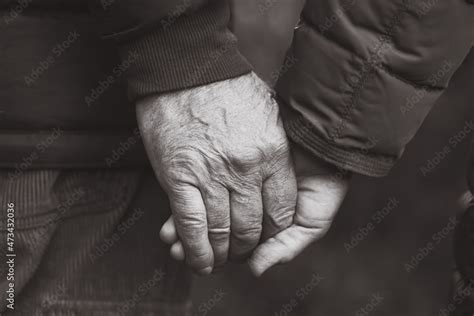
x=168, y=45
x=363, y=75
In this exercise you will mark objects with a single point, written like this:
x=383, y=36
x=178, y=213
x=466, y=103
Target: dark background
x=376, y=265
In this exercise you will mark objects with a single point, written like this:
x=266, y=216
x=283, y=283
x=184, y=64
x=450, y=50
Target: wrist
x=308, y=164
x=235, y=93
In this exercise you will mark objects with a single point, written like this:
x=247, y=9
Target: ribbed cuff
x=193, y=50
x=360, y=161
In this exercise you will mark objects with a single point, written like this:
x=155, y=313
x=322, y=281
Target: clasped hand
x=221, y=154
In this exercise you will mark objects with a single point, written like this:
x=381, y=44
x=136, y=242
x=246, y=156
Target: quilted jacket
x=367, y=73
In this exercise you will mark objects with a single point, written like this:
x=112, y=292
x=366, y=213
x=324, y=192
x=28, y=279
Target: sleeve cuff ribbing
x=194, y=50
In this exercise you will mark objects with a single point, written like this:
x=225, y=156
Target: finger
x=189, y=215
x=317, y=203
x=168, y=232
x=216, y=199
x=281, y=248
x=177, y=251
x=246, y=222
x=279, y=199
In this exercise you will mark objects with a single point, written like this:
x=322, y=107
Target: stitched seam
x=302, y=124
x=335, y=133
x=380, y=66
x=372, y=165
x=409, y=82
x=326, y=36
x=373, y=59
x=364, y=74
x=375, y=170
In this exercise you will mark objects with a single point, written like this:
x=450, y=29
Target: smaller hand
x=321, y=191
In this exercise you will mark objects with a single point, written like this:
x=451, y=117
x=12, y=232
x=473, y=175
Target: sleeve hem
x=358, y=161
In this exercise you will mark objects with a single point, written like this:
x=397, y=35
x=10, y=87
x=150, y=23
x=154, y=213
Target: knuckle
x=246, y=159
x=198, y=254
x=218, y=213
x=245, y=195
x=218, y=237
x=190, y=222
x=218, y=223
x=247, y=235
x=281, y=160
x=182, y=164
x=215, y=194
x=179, y=166
x=197, y=258
x=281, y=216
x=321, y=225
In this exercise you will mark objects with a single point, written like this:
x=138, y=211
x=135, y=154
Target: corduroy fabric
x=68, y=261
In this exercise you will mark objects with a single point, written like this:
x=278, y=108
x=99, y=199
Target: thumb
x=281, y=248
x=319, y=198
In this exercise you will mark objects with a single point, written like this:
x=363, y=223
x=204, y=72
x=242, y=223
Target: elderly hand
x=321, y=191
x=221, y=154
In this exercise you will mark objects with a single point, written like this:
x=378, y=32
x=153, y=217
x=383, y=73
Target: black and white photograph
x=236, y=158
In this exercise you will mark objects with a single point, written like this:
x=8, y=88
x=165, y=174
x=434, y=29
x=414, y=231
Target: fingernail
x=205, y=271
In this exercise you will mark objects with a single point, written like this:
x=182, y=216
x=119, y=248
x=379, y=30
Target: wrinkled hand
x=321, y=191
x=222, y=156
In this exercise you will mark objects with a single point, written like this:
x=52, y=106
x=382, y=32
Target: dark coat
x=65, y=66
x=366, y=74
